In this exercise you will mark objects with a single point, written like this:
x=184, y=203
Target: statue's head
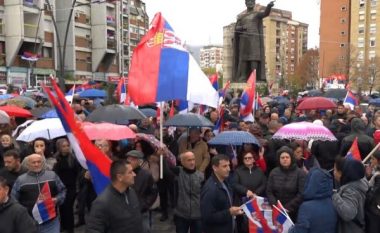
x=250, y=4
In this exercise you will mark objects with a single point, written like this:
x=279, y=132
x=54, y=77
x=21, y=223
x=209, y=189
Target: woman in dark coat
x=248, y=180
x=67, y=168
x=286, y=182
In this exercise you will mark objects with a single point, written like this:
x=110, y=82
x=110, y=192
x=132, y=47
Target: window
x=361, y=3
x=373, y=15
x=372, y=28
x=361, y=29
x=343, y=8
x=342, y=58
x=361, y=56
x=361, y=17
x=342, y=33
x=342, y=20
x=342, y=45
x=373, y=2
x=47, y=52
x=360, y=42
x=372, y=42
x=371, y=55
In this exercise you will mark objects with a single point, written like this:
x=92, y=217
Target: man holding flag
x=40, y=191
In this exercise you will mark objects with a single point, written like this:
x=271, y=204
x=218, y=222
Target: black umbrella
x=189, y=120
x=116, y=114
x=336, y=93
x=314, y=93
x=149, y=112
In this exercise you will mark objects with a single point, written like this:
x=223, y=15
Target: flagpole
x=285, y=214
x=161, y=140
x=371, y=153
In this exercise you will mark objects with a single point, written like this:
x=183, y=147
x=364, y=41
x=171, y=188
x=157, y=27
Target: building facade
x=211, y=56
x=96, y=44
x=285, y=42
x=335, y=33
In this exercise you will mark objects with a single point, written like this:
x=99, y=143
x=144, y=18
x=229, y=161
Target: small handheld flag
x=354, y=152
x=44, y=208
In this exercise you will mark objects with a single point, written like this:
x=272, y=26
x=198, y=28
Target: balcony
x=111, y=44
x=20, y=62
x=83, y=42
x=82, y=18
x=83, y=66
x=1, y=2
x=45, y=63
x=49, y=37
x=30, y=3
x=2, y=60
x=111, y=21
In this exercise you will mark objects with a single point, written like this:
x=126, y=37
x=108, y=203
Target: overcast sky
x=200, y=22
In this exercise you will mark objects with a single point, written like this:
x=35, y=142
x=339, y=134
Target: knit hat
x=353, y=170
x=136, y=154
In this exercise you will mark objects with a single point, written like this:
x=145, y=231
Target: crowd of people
x=321, y=190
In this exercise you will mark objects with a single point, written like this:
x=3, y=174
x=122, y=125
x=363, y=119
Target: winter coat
x=372, y=212
x=286, y=185
x=317, y=214
x=249, y=179
x=365, y=143
x=189, y=193
x=145, y=187
x=215, y=205
x=115, y=212
x=26, y=188
x=14, y=218
x=349, y=200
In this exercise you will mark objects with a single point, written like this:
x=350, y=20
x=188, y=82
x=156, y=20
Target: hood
x=6, y=205
x=318, y=184
x=357, y=125
x=288, y=150
x=353, y=170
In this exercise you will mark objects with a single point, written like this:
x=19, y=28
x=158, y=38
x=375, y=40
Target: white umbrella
x=4, y=117
x=47, y=128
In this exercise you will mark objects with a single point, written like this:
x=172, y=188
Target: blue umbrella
x=148, y=112
x=6, y=96
x=375, y=102
x=50, y=114
x=236, y=138
x=93, y=93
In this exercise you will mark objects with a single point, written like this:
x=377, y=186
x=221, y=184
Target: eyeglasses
x=248, y=158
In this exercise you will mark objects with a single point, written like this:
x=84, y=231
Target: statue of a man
x=248, y=43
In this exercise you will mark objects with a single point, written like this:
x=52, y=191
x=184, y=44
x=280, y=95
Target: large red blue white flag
x=247, y=100
x=162, y=70
x=88, y=155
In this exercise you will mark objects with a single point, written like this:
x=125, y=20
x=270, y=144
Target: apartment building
x=211, y=56
x=335, y=32
x=96, y=43
x=285, y=42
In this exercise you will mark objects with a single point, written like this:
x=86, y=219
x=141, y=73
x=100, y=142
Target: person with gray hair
x=27, y=189
x=187, y=213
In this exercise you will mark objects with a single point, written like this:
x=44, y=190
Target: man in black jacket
x=14, y=218
x=144, y=186
x=116, y=209
x=218, y=214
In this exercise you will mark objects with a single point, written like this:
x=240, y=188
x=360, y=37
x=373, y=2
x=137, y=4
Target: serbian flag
x=44, y=208
x=258, y=219
x=28, y=56
x=280, y=218
x=121, y=91
x=248, y=98
x=223, y=92
x=162, y=70
x=220, y=123
x=214, y=81
x=354, y=152
x=88, y=155
x=350, y=100
x=258, y=102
